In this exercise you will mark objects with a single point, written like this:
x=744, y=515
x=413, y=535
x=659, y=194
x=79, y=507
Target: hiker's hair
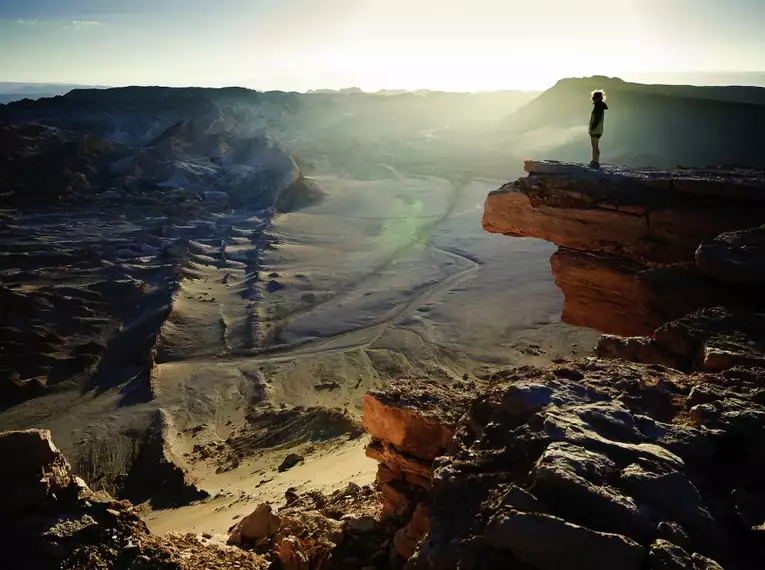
x=602, y=94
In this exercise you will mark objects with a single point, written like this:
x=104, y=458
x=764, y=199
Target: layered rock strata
x=626, y=235
x=411, y=423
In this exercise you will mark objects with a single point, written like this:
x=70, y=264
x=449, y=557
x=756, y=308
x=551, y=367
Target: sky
x=456, y=45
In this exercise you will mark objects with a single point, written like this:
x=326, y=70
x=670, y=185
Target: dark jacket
x=597, y=117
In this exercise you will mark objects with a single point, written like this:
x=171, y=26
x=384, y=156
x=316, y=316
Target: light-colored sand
x=408, y=267
x=238, y=492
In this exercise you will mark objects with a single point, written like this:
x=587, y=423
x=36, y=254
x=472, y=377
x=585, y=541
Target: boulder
x=673, y=494
x=574, y=479
x=667, y=556
x=312, y=524
x=734, y=257
x=711, y=339
x=259, y=524
x=523, y=400
x=415, y=416
x=290, y=461
x=550, y=543
x=715, y=339
x=36, y=473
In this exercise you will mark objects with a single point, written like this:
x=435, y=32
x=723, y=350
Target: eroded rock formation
x=734, y=257
x=622, y=232
x=411, y=423
x=148, y=146
x=112, y=202
x=49, y=518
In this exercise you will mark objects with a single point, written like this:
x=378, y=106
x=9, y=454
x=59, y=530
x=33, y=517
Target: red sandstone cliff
x=627, y=238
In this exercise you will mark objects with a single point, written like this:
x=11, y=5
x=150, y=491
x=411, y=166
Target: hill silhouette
x=650, y=125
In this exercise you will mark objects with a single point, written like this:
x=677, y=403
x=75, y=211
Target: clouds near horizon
x=66, y=24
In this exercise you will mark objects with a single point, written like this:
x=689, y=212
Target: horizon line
x=357, y=89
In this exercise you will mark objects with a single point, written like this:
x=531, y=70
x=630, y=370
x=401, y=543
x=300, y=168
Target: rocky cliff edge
x=637, y=248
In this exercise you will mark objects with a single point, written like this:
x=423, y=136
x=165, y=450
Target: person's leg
x=595, y=149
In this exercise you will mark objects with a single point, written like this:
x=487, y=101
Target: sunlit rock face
x=628, y=237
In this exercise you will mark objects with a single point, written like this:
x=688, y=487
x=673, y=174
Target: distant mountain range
x=451, y=135
x=719, y=78
x=133, y=142
x=15, y=91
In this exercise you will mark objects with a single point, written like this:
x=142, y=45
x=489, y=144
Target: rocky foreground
x=52, y=519
x=586, y=464
x=602, y=463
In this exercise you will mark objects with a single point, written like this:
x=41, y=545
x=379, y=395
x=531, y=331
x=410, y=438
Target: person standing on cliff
x=597, y=118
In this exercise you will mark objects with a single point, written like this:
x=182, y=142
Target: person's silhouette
x=597, y=119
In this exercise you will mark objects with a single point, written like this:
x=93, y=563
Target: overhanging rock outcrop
x=621, y=231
